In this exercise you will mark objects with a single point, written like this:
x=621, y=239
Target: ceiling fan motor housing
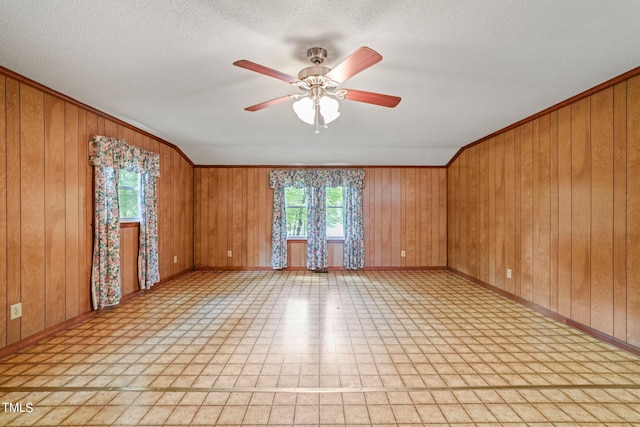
x=314, y=70
x=317, y=55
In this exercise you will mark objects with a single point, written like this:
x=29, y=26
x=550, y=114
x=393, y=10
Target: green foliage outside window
x=296, y=211
x=335, y=212
x=129, y=194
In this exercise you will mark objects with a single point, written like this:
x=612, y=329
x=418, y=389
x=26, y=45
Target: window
x=296, y=211
x=129, y=196
x=335, y=212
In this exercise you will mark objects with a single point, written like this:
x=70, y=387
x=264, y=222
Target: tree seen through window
x=296, y=212
x=129, y=195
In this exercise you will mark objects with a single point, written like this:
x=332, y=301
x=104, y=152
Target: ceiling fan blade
x=372, y=98
x=359, y=60
x=270, y=103
x=252, y=66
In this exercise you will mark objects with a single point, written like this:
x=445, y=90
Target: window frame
x=287, y=206
x=327, y=206
x=138, y=192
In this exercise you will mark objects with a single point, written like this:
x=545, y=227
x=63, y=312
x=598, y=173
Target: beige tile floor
x=298, y=348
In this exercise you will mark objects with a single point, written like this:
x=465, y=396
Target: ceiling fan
x=317, y=103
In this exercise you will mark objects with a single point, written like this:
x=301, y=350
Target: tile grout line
x=319, y=390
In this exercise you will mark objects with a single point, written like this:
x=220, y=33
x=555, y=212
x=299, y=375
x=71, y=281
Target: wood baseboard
x=201, y=267
x=12, y=348
x=622, y=345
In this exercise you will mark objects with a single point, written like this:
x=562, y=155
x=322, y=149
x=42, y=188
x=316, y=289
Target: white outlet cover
x=16, y=311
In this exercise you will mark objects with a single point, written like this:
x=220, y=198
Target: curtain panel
x=317, y=228
x=316, y=181
x=108, y=156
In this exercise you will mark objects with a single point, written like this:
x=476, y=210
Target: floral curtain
x=316, y=228
x=108, y=156
x=148, y=267
x=314, y=180
x=354, y=229
x=279, y=231
x=105, y=272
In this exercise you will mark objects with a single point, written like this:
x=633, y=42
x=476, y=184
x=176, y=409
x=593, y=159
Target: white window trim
x=327, y=206
x=127, y=187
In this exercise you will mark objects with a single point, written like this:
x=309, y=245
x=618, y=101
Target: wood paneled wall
x=46, y=207
x=557, y=201
x=404, y=209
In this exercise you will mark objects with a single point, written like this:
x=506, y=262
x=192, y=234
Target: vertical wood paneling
x=266, y=216
x=535, y=204
x=633, y=211
x=198, y=217
x=72, y=202
x=442, y=217
x=387, y=212
x=54, y=190
x=223, y=218
x=424, y=218
x=46, y=208
x=517, y=160
x=564, y=211
x=238, y=207
x=580, y=212
x=500, y=270
x=3, y=214
x=483, y=214
x=571, y=210
x=211, y=223
x=128, y=259
x=491, y=172
x=509, y=209
x=602, y=211
x=526, y=211
x=554, y=253
x=464, y=226
x=396, y=236
x=238, y=210
x=14, y=220
x=542, y=288
x=32, y=165
x=377, y=225
x=410, y=221
x=472, y=232
x=620, y=212
x=87, y=125
x=251, y=220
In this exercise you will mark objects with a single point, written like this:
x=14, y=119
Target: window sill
x=304, y=239
x=127, y=224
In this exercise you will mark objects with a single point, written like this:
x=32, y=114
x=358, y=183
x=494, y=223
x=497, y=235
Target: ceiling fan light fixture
x=305, y=109
x=329, y=109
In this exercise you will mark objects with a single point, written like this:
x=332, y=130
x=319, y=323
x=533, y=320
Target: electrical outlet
x=16, y=311
x=508, y=273
x=403, y=253
x=229, y=254
x=175, y=259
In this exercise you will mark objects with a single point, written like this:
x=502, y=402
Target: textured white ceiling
x=463, y=68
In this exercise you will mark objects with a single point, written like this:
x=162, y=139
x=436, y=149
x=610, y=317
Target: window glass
x=296, y=211
x=129, y=195
x=335, y=212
